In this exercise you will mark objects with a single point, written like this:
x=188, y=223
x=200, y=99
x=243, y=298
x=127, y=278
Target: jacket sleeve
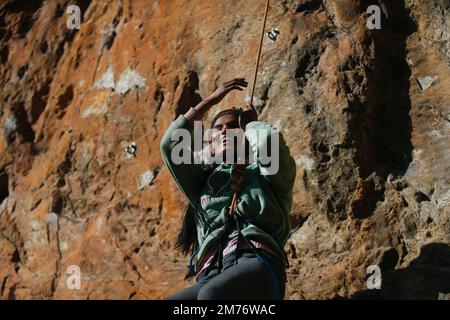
x=277, y=166
x=188, y=176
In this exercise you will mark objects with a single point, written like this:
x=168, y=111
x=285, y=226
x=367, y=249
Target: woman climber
x=237, y=220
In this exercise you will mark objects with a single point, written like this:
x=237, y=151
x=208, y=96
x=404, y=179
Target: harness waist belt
x=231, y=246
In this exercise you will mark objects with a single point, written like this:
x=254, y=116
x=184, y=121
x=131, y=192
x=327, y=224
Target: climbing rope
x=238, y=170
x=237, y=184
x=259, y=52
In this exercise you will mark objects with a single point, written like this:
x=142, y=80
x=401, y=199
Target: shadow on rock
x=427, y=277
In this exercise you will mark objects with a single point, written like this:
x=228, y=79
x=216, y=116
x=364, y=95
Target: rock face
x=366, y=114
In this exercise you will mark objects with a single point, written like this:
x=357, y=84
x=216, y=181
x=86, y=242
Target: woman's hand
x=248, y=116
x=200, y=109
x=225, y=88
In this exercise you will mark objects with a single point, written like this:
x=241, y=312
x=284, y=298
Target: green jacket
x=265, y=199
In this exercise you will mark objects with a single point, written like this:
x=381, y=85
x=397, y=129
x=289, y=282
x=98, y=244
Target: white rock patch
x=129, y=79
x=426, y=82
x=307, y=163
x=145, y=179
x=91, y=110
x=106, y=80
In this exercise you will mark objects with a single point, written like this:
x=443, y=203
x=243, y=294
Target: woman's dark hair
x=187, y=236
x=235, y=111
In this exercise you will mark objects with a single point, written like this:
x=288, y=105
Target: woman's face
x=220, y=143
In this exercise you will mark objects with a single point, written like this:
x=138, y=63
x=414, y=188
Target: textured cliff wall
x=366, y=114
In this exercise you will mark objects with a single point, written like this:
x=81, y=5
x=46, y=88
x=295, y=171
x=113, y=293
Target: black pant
x=250, y=278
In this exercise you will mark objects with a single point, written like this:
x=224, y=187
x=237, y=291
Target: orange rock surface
x=366, y=114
